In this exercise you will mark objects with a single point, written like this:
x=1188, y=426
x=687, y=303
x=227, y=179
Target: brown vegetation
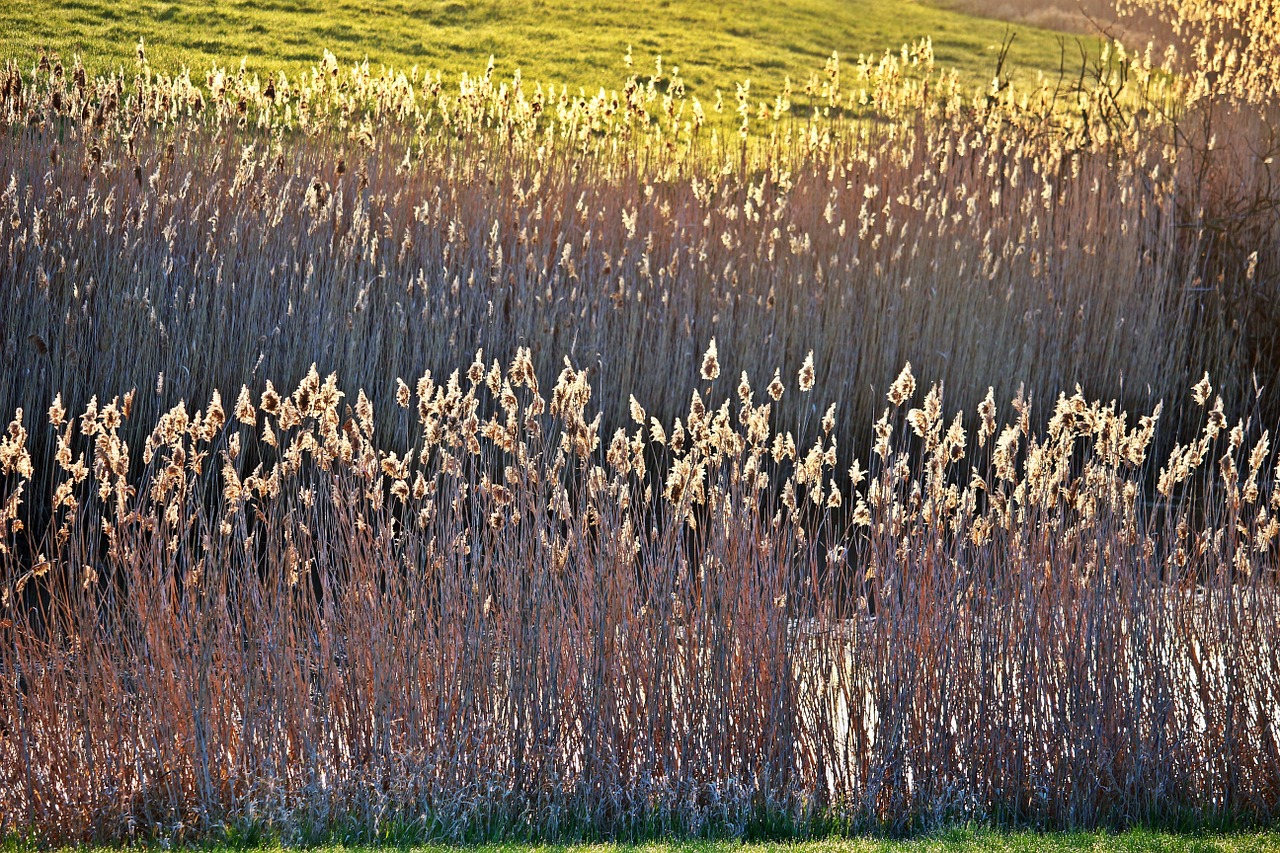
x=518, y=625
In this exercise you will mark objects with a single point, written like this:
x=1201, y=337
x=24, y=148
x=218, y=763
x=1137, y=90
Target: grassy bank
x=949, y=842
x=579, y=43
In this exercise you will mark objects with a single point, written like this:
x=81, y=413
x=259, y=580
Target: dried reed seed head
x=1260, y=450
x=507, y=398
x=493, y=379
x=1201, y=391
x=270, y=402
x=290, y=416
x=400, y=491
x=776, y=389
x=89, y=420
x=903, y=387
x=426, y=390
x=215, y=416
x=829, y=419
x=987, y=415
x=883, y=432
x=744, y=390
x=933, y=404
x=711, y=362
x=856, y=474
x=111, y=416
x=1217, y=420
x=955, y=439
x=244, y=411
x=676, y=442
x=656, y=430
x=364, y=413
x=57, y=414
x=1236, y=437
x=919, y=422
x=806, y=375
x=697, y=409
x=476, y=373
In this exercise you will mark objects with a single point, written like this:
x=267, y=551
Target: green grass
x=1130, y=842
x=716, y=43
x=962, y=840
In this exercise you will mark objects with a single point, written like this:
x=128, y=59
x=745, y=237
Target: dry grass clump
x=516, y=624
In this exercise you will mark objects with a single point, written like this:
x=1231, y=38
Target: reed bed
x=516, y=626
x=725, y=574
x=239, y=230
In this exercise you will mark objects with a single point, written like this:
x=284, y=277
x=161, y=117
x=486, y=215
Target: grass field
x=579, y=43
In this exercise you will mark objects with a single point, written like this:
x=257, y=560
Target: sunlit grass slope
x=578, y=42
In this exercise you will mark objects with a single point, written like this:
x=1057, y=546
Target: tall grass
x=706, y=589
x=515, y=625
x=981, y=238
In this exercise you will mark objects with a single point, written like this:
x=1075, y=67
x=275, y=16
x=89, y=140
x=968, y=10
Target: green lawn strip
x=1134, y=841
x=715, y=43
x=967, y=840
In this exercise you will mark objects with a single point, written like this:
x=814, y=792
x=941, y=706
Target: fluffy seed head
x=711, y=362
x=775, y=388
x=806, y=376
x=903, y=387
x=1201, y=391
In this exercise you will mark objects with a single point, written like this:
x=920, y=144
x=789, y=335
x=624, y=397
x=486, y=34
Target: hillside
x=580, y=43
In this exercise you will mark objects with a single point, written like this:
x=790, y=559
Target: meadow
x=715, y=45
x=399, y=457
